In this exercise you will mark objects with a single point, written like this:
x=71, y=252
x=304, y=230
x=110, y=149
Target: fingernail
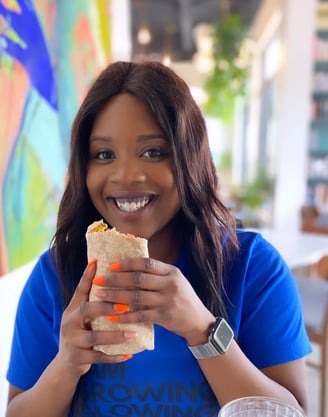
x=101, y=293
x=91, y=263
x=99, y=280
x=127, y=356
x=115, y=266
x=130, y=236
x=122, y=308
x=112, y=317
x=129, y=334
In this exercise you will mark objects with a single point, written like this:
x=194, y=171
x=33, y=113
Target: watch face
x=222, y=336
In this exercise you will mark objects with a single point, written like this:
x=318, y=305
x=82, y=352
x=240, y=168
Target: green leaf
x=228, y=80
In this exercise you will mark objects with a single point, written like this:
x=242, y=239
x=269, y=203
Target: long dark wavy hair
x=205, y=222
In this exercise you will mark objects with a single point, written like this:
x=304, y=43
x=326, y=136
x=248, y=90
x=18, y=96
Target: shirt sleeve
x=37, y=323
x=265, y=306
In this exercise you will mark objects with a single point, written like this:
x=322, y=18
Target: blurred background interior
x=257, y=68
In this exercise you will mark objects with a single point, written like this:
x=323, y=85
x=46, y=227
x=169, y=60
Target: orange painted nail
x=127, y=356
x=130, y=236
x=122, y=308
x=115, y=266
x=112, y=317
x=99, y=280
x=91, y=263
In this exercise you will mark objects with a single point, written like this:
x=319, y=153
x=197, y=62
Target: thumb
x=82, y=291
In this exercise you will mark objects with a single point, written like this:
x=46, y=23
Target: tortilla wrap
x=108, y=246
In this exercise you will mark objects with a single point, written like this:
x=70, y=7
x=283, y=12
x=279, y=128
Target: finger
x=129, y=281
x=82, y=291
x=89, y=310
x=88, y=339
x=149, y=278
x=129, y=298
x=90, y=356
x=101, y=357
x=158, y=315
x=147, y=265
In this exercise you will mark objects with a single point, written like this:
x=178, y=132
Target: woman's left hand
x=157, y=292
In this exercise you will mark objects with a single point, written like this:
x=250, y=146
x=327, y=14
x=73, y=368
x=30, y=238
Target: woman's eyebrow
x=140, y=138
x=101, y=138
x=150, y=136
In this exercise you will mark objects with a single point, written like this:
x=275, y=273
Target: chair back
x=322, y=267
x=313, y=291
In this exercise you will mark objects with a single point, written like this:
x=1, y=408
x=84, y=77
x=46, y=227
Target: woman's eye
x=104, y=155
x=153, y=153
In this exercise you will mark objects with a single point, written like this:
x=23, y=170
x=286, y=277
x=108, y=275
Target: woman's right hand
x=77, y=339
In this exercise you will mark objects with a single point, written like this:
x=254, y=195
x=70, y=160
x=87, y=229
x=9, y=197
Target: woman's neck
x=165, y=245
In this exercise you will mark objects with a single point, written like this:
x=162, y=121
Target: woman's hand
x=157, y=293
x=77, y=339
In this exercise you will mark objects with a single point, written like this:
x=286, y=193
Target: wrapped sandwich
x=109, y=246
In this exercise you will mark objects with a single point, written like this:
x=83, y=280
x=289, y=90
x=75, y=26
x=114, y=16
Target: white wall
x=295, y=24
x=294, y=112
x=121, y=41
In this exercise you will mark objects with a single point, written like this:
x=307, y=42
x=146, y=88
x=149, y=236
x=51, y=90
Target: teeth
x=131, y=204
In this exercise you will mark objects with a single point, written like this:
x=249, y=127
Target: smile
x=132, y=204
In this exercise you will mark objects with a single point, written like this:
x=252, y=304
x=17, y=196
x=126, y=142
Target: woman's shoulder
x=248, y=236
x=254, y=243
x=43, y=280
x=257, y=260
x=47, y=261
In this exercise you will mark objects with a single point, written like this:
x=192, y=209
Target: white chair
x=313, y=290
x=11, y=286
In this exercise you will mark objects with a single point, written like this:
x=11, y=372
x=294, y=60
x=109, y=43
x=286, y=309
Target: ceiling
x=171, y=23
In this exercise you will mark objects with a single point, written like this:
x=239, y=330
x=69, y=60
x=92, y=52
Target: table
x=299, y=249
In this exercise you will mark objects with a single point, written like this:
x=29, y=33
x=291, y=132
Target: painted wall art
x=50, y=52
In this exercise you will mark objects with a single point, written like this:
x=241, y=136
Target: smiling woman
x=140, y=159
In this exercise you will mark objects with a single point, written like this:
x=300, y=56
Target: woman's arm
x=232, y=375
x=52, y=394
x=171, y=302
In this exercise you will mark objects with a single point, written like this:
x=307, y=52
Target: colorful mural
x=50, y=51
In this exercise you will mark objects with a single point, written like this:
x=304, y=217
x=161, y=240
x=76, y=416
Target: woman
x=140, y=160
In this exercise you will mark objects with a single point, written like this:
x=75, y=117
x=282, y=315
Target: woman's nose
x=127, y=172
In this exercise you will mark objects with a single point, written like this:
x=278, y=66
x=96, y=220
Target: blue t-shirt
x=263, y=308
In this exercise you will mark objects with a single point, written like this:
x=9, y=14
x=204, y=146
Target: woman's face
x=130, y=177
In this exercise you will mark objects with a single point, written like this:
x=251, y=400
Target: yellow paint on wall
x=12, y=5
x=104, y=18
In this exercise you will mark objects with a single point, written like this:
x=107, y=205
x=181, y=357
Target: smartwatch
x=218, y=343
